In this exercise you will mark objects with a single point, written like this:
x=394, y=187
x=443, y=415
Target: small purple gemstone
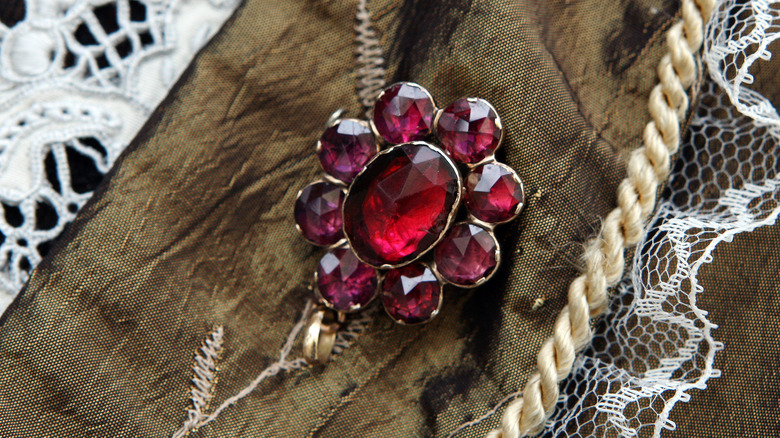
x=403, y=113
x=345, y=148
x=467, y=254
x=318, y=213
x=469, y=129
x=344, y=282
x=411, y=294
x=493, y=193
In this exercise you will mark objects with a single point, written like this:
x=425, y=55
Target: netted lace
x=656, y=343
x=78, y=78
x=739, y=37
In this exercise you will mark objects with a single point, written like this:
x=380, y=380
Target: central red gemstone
x=401, y=204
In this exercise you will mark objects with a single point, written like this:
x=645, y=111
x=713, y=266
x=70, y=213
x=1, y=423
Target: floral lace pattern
x=78, y=78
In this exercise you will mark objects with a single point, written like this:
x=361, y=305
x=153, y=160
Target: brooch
x=407, y=204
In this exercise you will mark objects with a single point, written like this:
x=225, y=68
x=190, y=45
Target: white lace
x=78, y=79
x=736, y=46
x=658, y=343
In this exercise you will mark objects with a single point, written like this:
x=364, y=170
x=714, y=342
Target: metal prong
x=335, y=116
x=320, y=335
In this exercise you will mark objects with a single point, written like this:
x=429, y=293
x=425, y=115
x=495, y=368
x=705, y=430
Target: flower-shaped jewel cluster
x=388, y=209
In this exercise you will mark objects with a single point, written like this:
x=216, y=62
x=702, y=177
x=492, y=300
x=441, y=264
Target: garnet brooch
x=388, y=208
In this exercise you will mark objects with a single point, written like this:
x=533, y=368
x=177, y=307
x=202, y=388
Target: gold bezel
x=333, y=121
x=515, y=214
x=450, y=216
x=380, y=139
x=298, y=227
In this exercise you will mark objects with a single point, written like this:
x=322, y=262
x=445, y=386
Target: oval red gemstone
x=494, y=193
x=404, y=112
x=344, y=282
x=469, y=129
x=466, y=255
x=401, y=204
x=411, y=294
x=318, y=213
x=345, y=148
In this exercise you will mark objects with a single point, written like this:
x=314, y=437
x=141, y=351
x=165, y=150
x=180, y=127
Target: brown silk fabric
x=193, y=227
x=745, y=304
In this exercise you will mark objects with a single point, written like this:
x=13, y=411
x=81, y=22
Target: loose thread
x=205, y=364
x=279, y=366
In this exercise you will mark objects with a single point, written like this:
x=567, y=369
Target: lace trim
x=77, y=81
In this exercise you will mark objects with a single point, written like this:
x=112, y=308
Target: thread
x=370, y=61
x=202, y=389
x=281, y=365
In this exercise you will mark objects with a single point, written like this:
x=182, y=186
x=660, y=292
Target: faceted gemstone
x=411, y=294
x=345, y=148
x=344, y=282
x=467, y=254
x=404, y=112
x=469, y=129
x=318, y=213
x=401, y=204
x=494, y=193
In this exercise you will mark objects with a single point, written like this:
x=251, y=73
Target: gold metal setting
x=320, y=332
x=518, y=209
x=381, y=140
x=341, y=241
x=353, y=308
x=320, y=335
x=335, y=119
x=492, y=156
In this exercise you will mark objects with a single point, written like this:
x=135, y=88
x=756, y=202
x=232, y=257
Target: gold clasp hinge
x=320, y=335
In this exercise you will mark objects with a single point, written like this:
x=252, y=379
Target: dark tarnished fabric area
x=193, y=228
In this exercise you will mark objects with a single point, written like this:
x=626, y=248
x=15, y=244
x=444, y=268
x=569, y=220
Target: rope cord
x=603, y=257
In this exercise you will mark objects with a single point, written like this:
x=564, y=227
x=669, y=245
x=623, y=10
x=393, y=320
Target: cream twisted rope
x=622, y=228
